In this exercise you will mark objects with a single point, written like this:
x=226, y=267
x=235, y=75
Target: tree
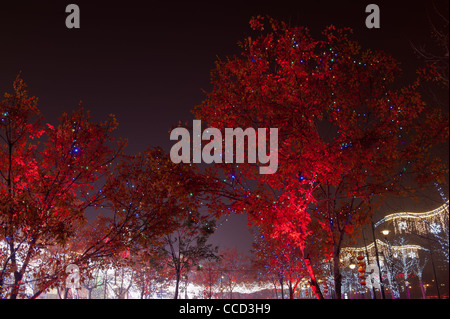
x=50, y=177
x=92, y=279
x=265, y=275
x=436, y=58
x=149, y=268
x=46, y=174
x=349, y=134
x=281, y=258
x=148, y=194
x=234, y=270
x=418, y=269
x=208, y=277
x=122, y=277
x=145, y=197
x=187, y=245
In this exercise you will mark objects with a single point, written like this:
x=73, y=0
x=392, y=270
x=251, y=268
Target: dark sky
x=148, y=61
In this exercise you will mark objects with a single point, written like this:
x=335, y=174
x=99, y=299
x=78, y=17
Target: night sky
x=148, y=62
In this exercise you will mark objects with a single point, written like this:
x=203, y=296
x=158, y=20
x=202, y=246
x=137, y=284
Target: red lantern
x=362, y=276
x=362, y=270
x=360, y=257
x=363, y=282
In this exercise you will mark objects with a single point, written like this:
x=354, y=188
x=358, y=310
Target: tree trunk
x=422, y=289
x=313, y=283
x=15, y=289
x=282, y=288
x=18, y=273
x=337, y=276
x=408, y=292
x=275, y=288
x=291, y=291
x=1, y=287
x=142, y=290
x=177, y=284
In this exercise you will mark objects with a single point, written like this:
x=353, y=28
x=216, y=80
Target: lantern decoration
x=362, y=270
x=325, y=289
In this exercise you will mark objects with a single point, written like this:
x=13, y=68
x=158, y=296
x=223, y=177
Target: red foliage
x=47, y=178
x=347, y=134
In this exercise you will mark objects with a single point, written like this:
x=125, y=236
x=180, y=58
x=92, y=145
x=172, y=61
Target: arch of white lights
x=420, y=223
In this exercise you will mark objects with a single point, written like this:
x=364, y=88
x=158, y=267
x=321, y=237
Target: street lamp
x=385, y=232
x=352, y=266
x=378, y=263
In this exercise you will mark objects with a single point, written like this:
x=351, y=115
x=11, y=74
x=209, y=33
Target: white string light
x=348, y=254
x=419, y=223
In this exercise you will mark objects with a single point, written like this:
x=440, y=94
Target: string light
x=418, y=223
x=441, y=192
x=349, y=253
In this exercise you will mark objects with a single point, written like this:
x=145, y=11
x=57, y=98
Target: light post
x=352, y=266
x=378, y=263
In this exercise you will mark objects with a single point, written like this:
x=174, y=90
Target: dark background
x=148, y=62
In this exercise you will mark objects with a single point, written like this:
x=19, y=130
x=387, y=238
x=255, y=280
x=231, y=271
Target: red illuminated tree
x=283, y=260
x=288, y=241
x=349, y=134
x=207, y=276
x=149, y=271
x=235, y=270
x=145, y=200
x=50, y=177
